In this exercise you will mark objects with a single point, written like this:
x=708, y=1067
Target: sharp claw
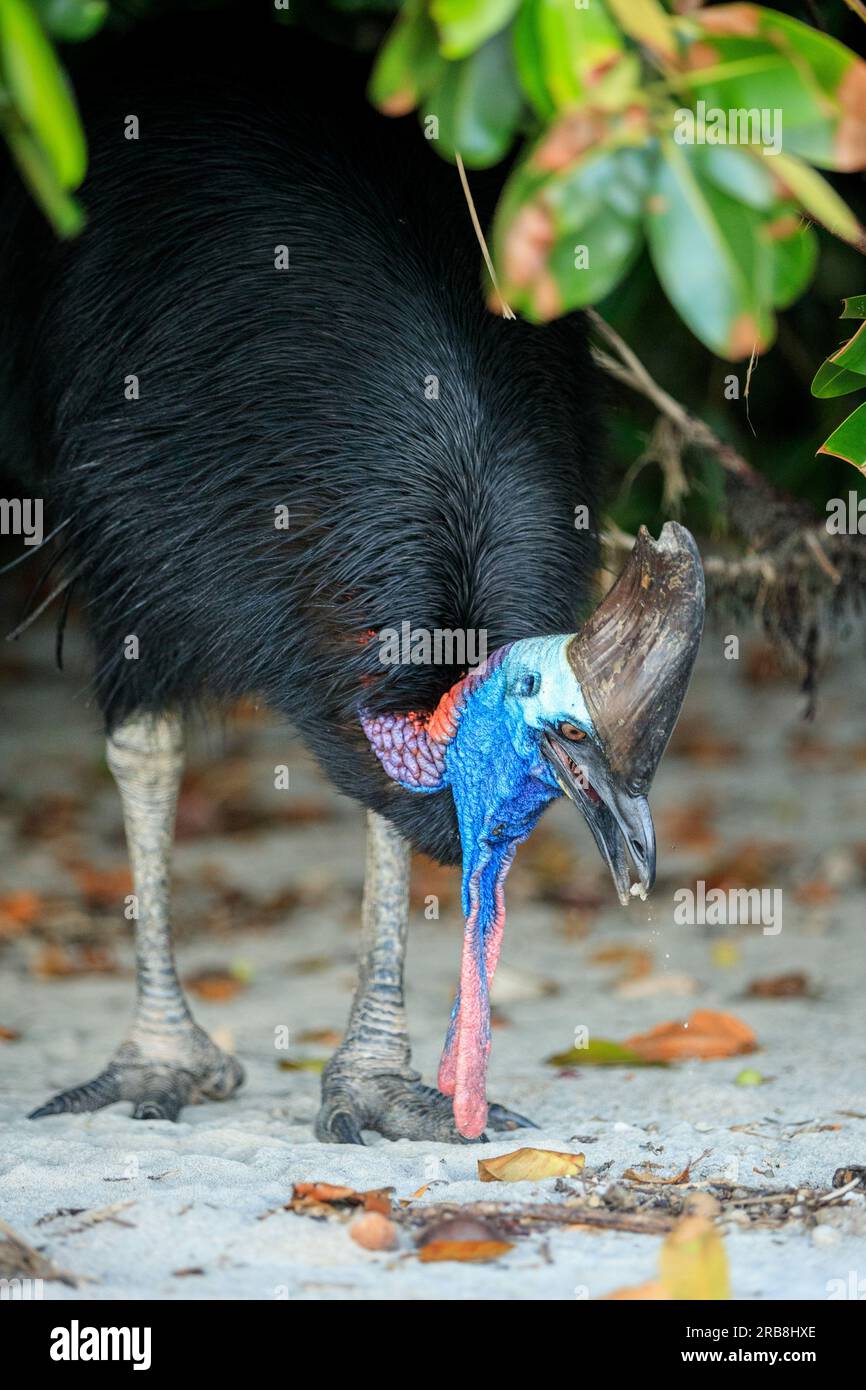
x=51, y=1107
x=344, y=1130
x=104, y=1090
x=509, y=1119
x=156, y=1110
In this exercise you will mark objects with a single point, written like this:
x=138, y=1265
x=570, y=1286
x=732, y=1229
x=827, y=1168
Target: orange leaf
x=214, y=984
x=464, y=1251
x=707, y=1033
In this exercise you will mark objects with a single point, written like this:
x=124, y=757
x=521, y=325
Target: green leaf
x=409, y=62
x=854, y=307
x=477, y=105
x=708, y=255
x=529, y=58
x=818, y=198
x=465, y=24
x=848, y=442
x=852, y=355
x=62, y=211
x=753, y=59
x=735, y=172
x=831, y=380
x=563, y=240
x=600, y=1052
x=579, y=46
x=40, y=92
x=71, y=21
x=793, y=248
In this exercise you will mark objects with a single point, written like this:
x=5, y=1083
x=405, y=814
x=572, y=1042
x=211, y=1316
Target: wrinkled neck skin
x=486, y=748
x=499, y=799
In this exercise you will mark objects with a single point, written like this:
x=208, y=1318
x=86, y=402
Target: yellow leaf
x=693, y=1263
x=530, y=1165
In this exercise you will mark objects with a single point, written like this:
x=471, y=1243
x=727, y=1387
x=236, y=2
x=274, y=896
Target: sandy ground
x=748, y=794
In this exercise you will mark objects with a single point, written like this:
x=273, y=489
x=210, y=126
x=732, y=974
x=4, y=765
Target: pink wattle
x=463, y=1067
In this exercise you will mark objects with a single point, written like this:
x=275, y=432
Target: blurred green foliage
x=619, y=179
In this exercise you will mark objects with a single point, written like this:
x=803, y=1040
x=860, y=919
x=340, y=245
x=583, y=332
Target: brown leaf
x=688, y=827
x=684, y=1176
x=752, y=864
x=316, y=1198
x=706, y=1034
x=18, y=911
x=464, y=1251
x=55, y=962
x=329, y=1037
x=530, y=1165
x=8, y=1034
x=102, y=887
x=215, y=984
x=794, y=985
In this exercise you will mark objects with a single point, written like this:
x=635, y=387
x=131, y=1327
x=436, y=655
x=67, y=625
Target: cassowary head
x=588, y=715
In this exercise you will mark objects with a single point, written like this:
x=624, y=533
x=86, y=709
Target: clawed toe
x=397, y=1107
x=157, y=1092
x=498, y=1118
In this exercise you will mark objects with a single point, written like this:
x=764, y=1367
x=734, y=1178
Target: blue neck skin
x=501, y=785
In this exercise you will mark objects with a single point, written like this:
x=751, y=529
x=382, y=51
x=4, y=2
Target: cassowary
x=275, y=420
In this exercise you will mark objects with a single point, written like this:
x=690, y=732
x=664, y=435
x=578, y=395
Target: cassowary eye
x=572, y=732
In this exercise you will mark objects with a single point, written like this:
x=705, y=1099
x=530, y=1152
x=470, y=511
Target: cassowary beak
x=618, y=821
x=633, y=660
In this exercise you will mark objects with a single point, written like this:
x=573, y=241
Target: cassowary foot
x=159, y=1081
x=397, y=1107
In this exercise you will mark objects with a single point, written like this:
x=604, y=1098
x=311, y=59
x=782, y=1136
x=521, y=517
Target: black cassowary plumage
x=304, y=387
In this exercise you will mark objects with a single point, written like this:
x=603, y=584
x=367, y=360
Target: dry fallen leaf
x=217, y=984
x=302, y=1063
x=682, y=1177
x=463, y=1239
x=794, y=985
x=530, y=1165
x=18, y=911
x=102, y=887
x=688, y=827
x=693, y=1263
x=8, y=1034
x=55, y=962
x=706, y=1034
x=329, y=1037
x=599, y=1052
x=464, y=1251
x=316, y=1198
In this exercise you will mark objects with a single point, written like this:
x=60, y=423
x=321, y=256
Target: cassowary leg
x=369, y=1083
x=167, y=1061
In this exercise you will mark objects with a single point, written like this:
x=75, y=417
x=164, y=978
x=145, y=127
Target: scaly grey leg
x=369, y=1082
x=167, y=1061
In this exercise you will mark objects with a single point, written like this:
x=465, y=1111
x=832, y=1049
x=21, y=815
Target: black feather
x=304, y=387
